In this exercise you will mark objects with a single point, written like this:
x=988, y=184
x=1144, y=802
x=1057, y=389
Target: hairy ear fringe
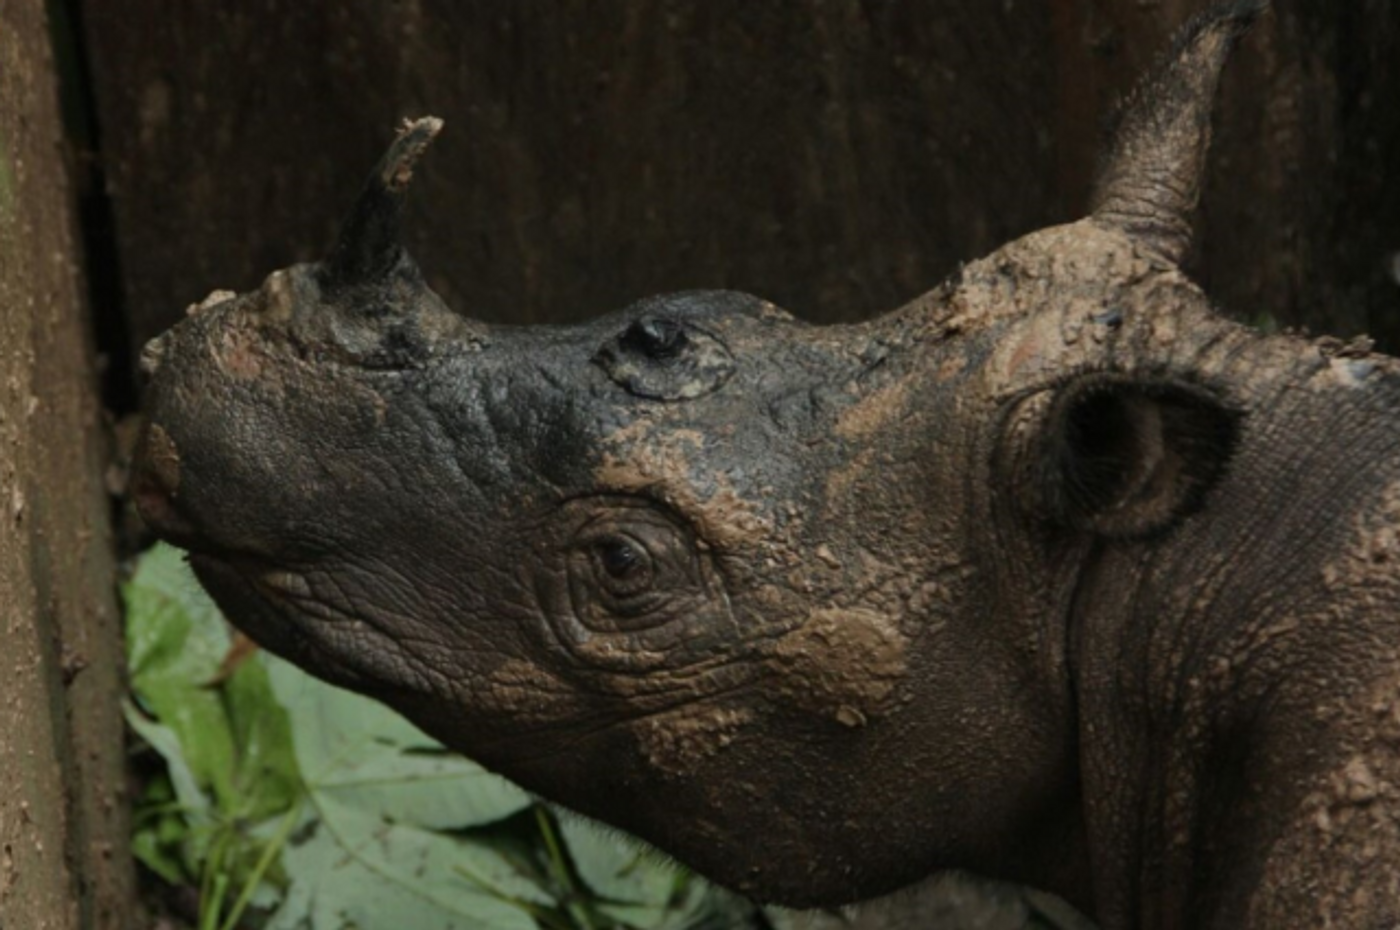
x=1128, y=458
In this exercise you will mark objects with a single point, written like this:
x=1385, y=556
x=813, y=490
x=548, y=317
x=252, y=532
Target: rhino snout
x=156, y=482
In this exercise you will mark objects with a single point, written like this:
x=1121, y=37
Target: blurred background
x=835, y=157
x=838, y=158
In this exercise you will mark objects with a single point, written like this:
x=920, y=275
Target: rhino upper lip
x=280, y=591
x=274, y=582
x=283, y=583
x=267, y=623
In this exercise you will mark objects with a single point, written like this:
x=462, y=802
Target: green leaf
x=175, y=642
x=639, y=886
x=232, y=736
x=163, y=582
x=374, y=852
x=351, y=868
x=226, y=743
x=360, y=754
x=268, y=780
x=155, y=847
x=175, y=818
x=615, y=865
x=188, y=792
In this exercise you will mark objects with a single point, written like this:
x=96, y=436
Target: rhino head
x=817, y=609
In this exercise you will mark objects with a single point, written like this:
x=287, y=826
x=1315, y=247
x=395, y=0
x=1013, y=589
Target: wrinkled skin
x=1053, y=574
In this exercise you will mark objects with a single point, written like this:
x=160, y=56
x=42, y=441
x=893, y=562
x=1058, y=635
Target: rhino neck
x=1238, y=699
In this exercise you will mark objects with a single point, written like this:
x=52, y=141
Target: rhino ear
x=1124, y=457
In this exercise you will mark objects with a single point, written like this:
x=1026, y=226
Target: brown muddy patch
x=877, y=412
x=211, y=300
x=237, y=353
x=674, y=743
x=525, y=692
x=1335, y=866
x=844, y=664
x=1372, y=560
x=163, y=457
x=1335, y=863
x=843, y=482
x=645, y=458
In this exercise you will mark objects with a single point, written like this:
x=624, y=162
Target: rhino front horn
x=1150, y=181
x=368, y=247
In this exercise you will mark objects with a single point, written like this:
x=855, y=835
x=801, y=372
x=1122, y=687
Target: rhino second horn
x=1150, y=181
x=368, y=247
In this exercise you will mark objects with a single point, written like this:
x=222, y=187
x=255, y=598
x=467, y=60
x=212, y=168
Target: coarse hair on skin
x=1128, y=458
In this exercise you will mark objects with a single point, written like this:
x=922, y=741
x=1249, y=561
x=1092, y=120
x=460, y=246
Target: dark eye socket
x=626, y=566
x=631, y=571
x=619, y=558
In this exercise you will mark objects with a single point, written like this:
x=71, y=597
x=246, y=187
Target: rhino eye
x=630, y=574
x=626, y=565
x=625, y=581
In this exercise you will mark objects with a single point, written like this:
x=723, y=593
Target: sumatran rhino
x=1054, y=574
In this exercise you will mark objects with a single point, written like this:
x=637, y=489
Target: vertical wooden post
x=64, y=861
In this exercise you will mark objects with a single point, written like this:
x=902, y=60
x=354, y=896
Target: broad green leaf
x=163, y=582
x=351, y=868
x=175, y=818
x=374, y=854
x=616, y=866
x=226, y=742
x=233, y=735
x=188, y=792
x=175, y=642
x=267, y=779
x=363, y=755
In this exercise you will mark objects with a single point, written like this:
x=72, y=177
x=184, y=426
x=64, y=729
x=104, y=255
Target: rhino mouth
x=273, y=610
x=262, y=615
x=282, y=613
